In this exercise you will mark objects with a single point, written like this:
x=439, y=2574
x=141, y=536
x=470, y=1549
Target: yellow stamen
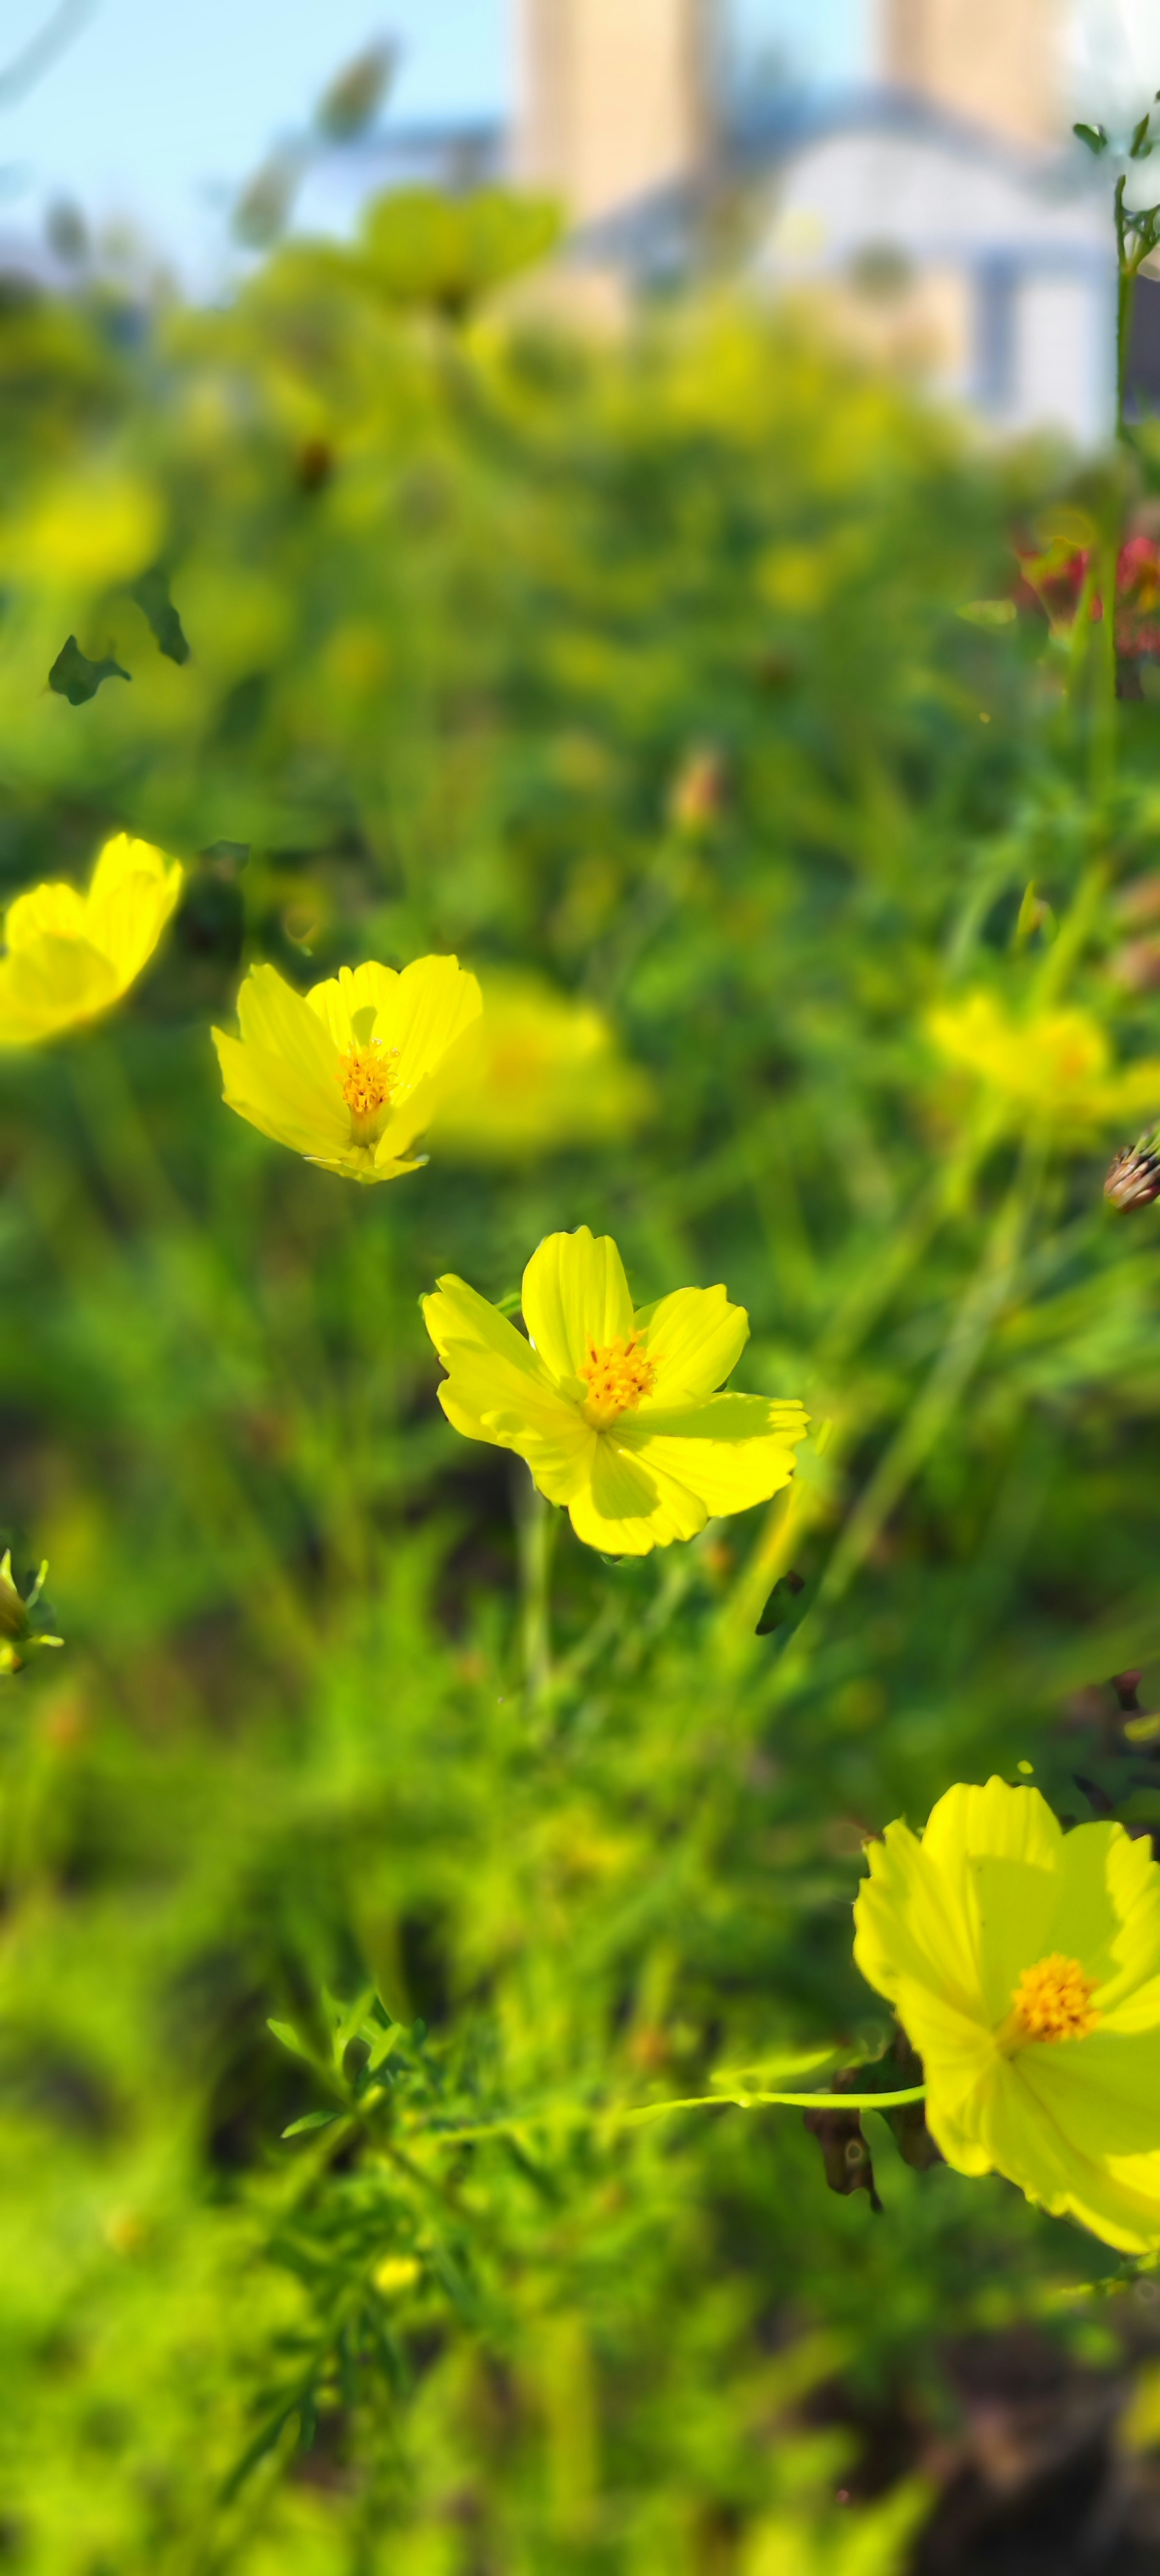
x=618, y=1374
x=367, y=1079
x=1051, y=2001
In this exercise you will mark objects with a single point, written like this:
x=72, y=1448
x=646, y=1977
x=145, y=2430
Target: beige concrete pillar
x=614, y=97
x=999, y=62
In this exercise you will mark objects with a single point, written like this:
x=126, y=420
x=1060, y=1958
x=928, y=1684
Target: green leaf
x=356, y=94
x=1139, y=147
x=285, y=2032
x=311, y=2120
x=1094, y=137
x=381, y=2042
x=781, y=1610
x=152, y=596
x=74, y=677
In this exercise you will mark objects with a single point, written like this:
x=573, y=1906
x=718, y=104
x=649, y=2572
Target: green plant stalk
x=538, y=1525
x=1125, y=305
x=638, y=2114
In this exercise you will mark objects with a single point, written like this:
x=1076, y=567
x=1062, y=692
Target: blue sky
x=161, y=107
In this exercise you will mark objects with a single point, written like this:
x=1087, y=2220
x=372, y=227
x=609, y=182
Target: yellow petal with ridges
x=353, y=989
x=575, y=1298
x=433, y=1004
x=276, y=1097
x=628, y=1509
x=47, y=911
x=694, y=1339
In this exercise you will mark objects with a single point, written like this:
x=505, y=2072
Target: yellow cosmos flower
x=1054, y=1067
x=1024, y=1965
x=351, y=1073
x=548, y=1074
x=614, y=1411
x=69, y=956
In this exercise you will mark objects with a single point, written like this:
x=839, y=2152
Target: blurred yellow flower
x=396, y=2273
x=351, y=1073
x=1053, y=1068
x=548, y=1073
x=84, y=531
x=1024, y=1965
x=69, y=956
x=614, y=1411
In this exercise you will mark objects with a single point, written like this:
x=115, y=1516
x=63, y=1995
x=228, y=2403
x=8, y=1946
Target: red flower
x=1056, y=580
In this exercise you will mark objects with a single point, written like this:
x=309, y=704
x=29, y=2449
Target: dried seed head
x=1134, y=1177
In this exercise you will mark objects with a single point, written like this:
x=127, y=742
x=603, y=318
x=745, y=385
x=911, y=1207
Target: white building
x=995, y=261
x=935, y=215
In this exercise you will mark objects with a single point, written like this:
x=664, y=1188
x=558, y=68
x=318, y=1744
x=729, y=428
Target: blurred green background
x=638, y=667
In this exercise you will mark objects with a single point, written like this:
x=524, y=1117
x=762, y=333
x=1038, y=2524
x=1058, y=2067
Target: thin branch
x=58, y=32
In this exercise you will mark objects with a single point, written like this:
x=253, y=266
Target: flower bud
x=1134, y=1177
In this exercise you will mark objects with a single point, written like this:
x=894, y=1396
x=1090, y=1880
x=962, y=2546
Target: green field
x=634, y=672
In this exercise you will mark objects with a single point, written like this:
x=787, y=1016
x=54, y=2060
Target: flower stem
x=635, y=2115
x=537, y=1525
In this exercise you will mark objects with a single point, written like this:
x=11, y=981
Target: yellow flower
x=1052, y=1068
x=1024, y=1964
x=614, y=1411
x=84, y=531
x=350, y=1074
x=70, y=956
x=548, y=1074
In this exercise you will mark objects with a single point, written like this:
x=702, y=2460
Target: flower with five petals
x=615, y=1412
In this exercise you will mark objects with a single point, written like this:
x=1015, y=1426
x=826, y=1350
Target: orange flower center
x=618, y=1374
x=1053, y=2001
x=367, y=1077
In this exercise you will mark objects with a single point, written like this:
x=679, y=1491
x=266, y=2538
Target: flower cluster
x=1023, y=1962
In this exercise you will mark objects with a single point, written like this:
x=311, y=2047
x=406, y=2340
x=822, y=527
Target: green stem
x=1125, y=302
x=537, y=1536
x=635, y=2116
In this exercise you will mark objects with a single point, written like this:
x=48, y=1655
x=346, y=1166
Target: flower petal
x=575, y=1297
x=51, y=984
x=627, y=1509
x=723, y=1450
x=916, y=1925
x=497, y=1390
x=431, y=1004
x=273, y=1016
x=354, y=988
x=1000, y=1850
x=1109, y=1918
x=54, y=911
x=1117, y=2197
x=279, y=1100
x=694, y=1339
x=134, y=889
x=1102, y=2092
